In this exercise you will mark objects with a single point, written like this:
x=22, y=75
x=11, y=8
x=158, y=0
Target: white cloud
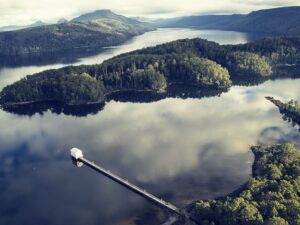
x=27, y=11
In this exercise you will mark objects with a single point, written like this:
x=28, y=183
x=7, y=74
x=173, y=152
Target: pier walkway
x=78, y=158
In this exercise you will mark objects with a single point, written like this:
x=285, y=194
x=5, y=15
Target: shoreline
x=160, y=91
x=254, y=192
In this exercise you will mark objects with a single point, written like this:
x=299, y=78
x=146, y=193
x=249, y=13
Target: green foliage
x=256, y=58
x=278, y=50
x=175, y=68
x=270, y=197
x=146, y=79
x=67, y=88
x=69, y=36
x=246, y=63
x=191, y=61
x=204, y=72
x=276, y=221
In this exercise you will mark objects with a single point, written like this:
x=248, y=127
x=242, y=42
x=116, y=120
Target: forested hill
x=106, y=14
x=270, y=197
x=196, y=62
x=103, y=31
x=283, y=21
x=279, y=21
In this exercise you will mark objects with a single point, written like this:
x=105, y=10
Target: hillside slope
x=270, y=197
x=284, y=20
x=88, y=34
x=105, y=14
x=203, y=22
x=279, y=21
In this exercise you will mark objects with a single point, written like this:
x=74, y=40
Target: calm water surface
x=179, y=149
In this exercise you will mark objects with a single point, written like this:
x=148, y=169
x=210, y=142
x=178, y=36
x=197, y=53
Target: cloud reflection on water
x=178, y=149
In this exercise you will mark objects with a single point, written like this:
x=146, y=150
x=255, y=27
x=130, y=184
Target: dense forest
x=271, y=196
x=278, y=50
x=197, y=62
x=289, y=110
x=52, y=86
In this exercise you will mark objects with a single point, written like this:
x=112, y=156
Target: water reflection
x=288, y=71
x=182, y=147
x=174, y=91
x=276, y=135
x=92, y=56
x=294, y=121
x=280, y=72
x=54, y=107
x=290, y=118
x=40, y=59
x=248, y=81
x=178, y=149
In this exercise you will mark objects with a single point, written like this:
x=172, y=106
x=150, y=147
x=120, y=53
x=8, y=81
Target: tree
x=246, y=63
x=265, y=199
x=250, y=215
x=276, y=221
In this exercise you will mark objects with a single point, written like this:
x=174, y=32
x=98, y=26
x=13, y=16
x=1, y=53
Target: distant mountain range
x=284, y=21
x=89, y=31
x=35, y=24
x=92, y=16
x=104, y=28
x=15, y=27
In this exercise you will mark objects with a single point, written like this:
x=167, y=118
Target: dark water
x=181, y=146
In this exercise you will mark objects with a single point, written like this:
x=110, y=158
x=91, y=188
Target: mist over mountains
x=87, y=17
x=15, y=27
x=103, y=28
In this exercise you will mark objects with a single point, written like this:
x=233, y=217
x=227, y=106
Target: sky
x=21, y=12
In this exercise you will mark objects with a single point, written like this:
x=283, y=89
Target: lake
x=182, y=147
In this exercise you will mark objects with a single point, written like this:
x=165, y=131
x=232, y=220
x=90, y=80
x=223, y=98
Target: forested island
x=290, y=110
x=271, y=196
x=196, y=62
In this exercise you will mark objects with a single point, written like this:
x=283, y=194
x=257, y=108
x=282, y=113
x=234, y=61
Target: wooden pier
x=79, y=160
